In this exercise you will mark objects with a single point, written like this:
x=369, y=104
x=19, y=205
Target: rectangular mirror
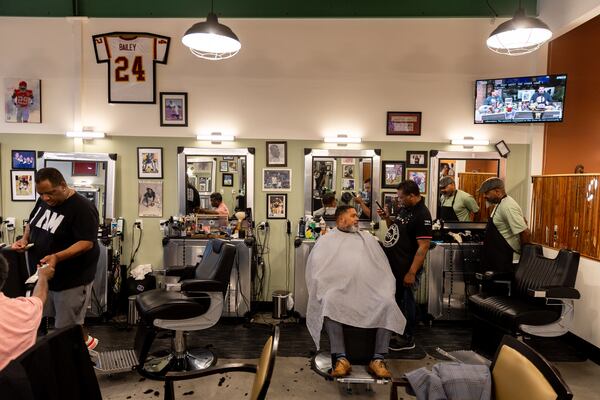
x=337, y=177
x=229, y=172
x=90, y=174
x=469, y=170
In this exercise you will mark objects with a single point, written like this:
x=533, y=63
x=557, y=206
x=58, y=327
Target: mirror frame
x=182, y=152
x=375, y=154
x=111, y=169
x=434, y=170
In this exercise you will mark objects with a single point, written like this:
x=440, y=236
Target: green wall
x=126, y=184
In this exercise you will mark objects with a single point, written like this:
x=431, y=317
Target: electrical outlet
x=140, y=223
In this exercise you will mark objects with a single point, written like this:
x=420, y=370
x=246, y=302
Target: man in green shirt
x=455, y=204
x=507, y=229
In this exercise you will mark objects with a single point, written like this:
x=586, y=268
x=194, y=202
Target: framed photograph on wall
x=419, y=176
x=227, y=180
x=84, y=168
x=277, y=179
x=416, y=159
x=23, y=159
x=224, y=166
x=348, y=171
x=276, y=206
x=149, y=162
x=348, y=184
x=22, y=186
x=390, y=200
x=276, y=154
x=150, y=196
x=347, y=161
x=232, y=166
x=401, y=123
x=173, y=109
x=23, y=100
x=392, y=173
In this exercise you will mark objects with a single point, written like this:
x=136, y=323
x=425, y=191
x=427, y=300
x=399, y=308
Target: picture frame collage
x=414, y=168
x=22, y=175
x=150, y=184
x=276, y=178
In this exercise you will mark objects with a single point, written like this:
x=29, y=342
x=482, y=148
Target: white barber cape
x=349, y=280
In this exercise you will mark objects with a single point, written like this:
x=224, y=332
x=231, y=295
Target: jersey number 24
x=137, y=69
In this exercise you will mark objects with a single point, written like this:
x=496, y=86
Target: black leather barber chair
x=197, y=304
x=540, y=301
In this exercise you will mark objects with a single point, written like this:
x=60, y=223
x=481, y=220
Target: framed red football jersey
x=131, y=58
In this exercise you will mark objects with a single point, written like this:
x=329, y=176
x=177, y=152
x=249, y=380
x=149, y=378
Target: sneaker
x=378, y=368
x=91, y=342
x=402, y=343
x=342, y=368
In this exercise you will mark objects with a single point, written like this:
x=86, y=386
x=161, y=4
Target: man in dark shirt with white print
x=63, y=228
x=406, y=245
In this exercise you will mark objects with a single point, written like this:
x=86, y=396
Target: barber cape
x=349, y=280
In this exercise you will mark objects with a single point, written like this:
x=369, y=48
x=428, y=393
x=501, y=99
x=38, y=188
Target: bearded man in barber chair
x=350, y=282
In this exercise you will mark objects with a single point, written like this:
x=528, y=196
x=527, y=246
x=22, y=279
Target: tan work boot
x=378, y=368
x=342, y=368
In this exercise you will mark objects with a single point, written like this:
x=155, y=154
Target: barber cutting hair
x=455, y=204
x=350, y=282
x=506, y=231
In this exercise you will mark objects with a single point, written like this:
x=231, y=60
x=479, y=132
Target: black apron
x=447, y=214
x=497, y=253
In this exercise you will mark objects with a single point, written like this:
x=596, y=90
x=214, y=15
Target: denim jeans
x=405, y=298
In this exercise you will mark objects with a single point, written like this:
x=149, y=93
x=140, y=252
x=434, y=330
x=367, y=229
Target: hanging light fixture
x=519, y=35
x=211, y=40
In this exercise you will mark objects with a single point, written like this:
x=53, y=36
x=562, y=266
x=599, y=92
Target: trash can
x=280, y=300
x=132, y=313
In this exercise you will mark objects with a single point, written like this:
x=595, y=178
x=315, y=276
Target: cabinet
x=300, y=290
x=565, y=212
x=451, y=269
x=182, y=251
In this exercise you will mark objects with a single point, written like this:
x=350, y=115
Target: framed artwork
x=149, y=162
x=23, y=100
x=501, y=148
x=390, y=200
x=23, y=159
x=276, y=154
x=403, y=123
x=173, y=109
x=84, y=168
x=324, y=173
x=224, y=166
x=276, y=206
x=277, y=179
x=227, y=180
x=131, y=59
x=392, y=173
x=150, y=196
x=419, y=176
x=416, y=159
x=348, y=184
x=22, y=186
x=347, y=161
x=348, y=171
x=232, y=166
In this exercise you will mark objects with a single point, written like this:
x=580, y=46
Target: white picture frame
x=150, y=198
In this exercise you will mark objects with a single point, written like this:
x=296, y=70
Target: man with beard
x=506, y=231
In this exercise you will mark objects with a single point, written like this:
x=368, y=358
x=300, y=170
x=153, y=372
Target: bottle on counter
x=301, y=228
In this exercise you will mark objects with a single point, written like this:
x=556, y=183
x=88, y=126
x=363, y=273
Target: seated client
x=350, y=282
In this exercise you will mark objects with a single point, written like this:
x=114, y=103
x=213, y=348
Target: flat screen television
x=525, y=99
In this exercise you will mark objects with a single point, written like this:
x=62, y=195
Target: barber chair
x=193, y=304
x=540, y=302
x=360, y=345
x=518, y=373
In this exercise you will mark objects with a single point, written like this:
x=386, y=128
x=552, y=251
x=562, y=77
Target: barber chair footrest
x=115, y=361
x=321, y=364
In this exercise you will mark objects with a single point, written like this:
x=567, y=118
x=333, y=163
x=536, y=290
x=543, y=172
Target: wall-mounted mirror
x=90, y=174
x=229, y=172
x=338, y=177
x=467, y=170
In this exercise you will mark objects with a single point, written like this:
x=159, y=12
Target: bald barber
x=455, y=204
x=506, y=231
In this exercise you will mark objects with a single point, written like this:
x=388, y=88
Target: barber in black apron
x=497, y=252
x=445, y=213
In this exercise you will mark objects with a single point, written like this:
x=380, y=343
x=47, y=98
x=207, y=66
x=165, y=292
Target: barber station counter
x=448, y=265
x=300, y=290
x=183, y=251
